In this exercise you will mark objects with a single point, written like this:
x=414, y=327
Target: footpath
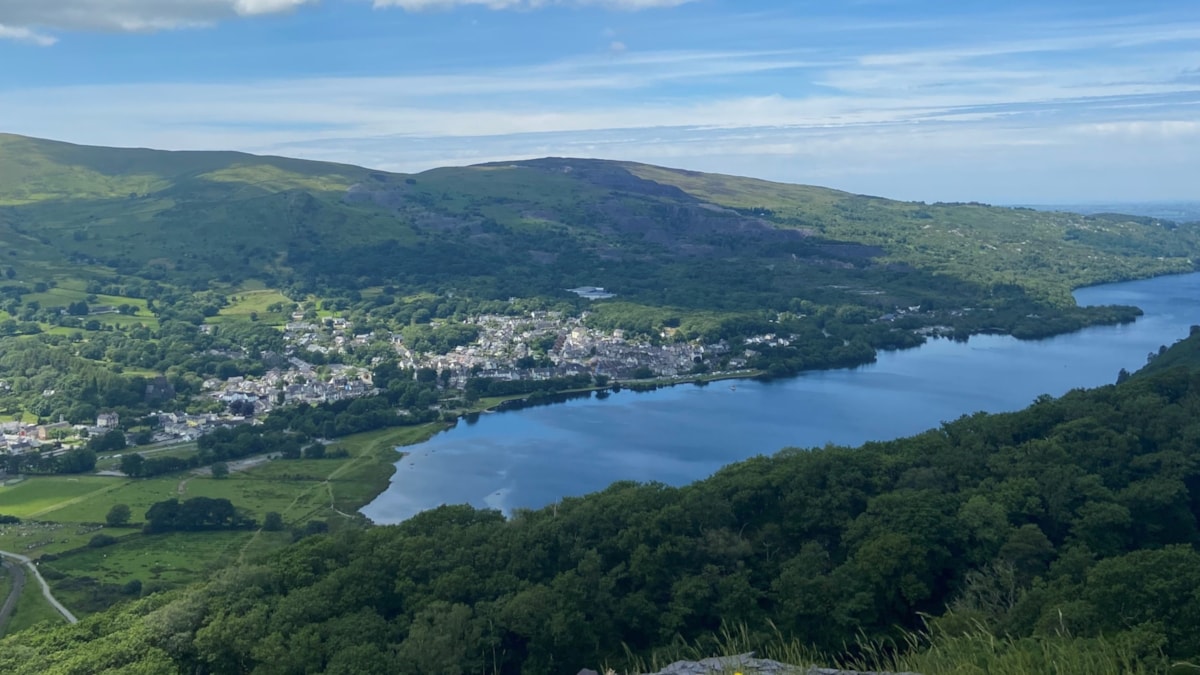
x=18, y=584
x=28, y=564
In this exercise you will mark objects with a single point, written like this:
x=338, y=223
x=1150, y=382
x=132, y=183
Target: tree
x=220, y=470
x=81, y=460
x=111, y=441
x=133, y=464
x=273, y=522
x=118, y=515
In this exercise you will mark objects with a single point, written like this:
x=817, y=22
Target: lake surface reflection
x=535, y=456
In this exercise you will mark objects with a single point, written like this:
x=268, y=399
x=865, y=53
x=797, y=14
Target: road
x=18, y=584
x=237, y=465
x=58, y=606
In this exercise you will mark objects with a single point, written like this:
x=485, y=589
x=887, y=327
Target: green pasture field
x=39, y=495
x=172, y=558
x=138, y=495
x=74, y=290
x=60, y=513
x=255, y=301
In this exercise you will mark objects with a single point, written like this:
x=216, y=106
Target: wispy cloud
x=27, y=20
x=133, y=15
x=21, y=34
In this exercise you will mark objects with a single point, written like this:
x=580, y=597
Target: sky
x=1020, y=102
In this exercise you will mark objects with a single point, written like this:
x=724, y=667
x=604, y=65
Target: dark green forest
x=1077, y=516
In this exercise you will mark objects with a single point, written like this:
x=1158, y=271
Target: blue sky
x=1017, y=102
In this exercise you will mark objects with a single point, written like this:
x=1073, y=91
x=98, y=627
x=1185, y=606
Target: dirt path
x=326, y=484
x=18, y=584
x=58, y=606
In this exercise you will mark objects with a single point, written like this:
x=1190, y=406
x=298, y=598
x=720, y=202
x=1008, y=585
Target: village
x=534, y=346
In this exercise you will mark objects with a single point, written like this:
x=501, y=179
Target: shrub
x=102, y=540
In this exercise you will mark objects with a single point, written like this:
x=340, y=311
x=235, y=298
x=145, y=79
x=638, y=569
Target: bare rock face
x=746, y=664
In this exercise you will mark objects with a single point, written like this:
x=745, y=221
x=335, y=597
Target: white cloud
x=632, y=5
x=25, y=35
x=936, y=120
x=1142, y=129
x=128, y=15
x=25, y=20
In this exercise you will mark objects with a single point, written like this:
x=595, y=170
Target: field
x=171, y=559
x=38, y=496
x=254, y=302
x=70, y=289
x=63, y=513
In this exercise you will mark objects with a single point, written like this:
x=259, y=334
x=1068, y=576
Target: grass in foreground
x=937, y=653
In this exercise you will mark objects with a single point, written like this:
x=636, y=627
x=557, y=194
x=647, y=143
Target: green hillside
x=173, y=240
x=1062, y=538
x=655, y=235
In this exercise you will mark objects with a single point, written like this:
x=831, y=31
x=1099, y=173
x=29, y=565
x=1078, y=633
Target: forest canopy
x=1078, y=514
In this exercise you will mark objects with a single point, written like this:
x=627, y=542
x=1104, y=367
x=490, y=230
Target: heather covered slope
x=1075, y=517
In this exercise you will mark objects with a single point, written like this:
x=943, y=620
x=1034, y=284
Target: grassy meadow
x=243, y=304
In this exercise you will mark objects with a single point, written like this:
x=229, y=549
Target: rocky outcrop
x=746, y=664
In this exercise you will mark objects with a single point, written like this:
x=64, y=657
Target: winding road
x=18, y=584
x=28, y=564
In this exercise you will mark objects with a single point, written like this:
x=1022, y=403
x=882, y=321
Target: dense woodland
x=1076, y=515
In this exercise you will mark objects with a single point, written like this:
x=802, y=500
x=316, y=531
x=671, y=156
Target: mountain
x=656, y=236
x=133, y=280
x=112, y=260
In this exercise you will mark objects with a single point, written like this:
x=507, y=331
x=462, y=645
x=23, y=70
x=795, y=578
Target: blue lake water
x=535, y=456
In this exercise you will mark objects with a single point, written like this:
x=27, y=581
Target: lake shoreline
x=500, y=449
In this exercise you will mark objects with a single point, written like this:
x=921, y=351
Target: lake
x=535, y=456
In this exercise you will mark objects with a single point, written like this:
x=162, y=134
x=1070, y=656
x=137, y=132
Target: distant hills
x=1182, y=212
x=654, y=236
